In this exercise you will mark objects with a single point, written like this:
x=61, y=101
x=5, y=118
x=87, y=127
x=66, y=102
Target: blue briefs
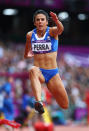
x=49, y=73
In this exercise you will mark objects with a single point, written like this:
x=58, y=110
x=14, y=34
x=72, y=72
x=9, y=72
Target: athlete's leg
x=36, y=78
x=58, y=91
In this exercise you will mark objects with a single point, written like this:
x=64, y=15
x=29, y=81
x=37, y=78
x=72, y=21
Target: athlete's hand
x=30, y=54
x=54, y=16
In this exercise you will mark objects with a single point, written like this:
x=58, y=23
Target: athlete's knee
x=32, y=72
x=65, y=105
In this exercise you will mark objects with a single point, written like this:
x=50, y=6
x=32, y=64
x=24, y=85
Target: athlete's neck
x=41, y=33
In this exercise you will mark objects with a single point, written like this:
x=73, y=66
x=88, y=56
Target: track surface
x=57, y=128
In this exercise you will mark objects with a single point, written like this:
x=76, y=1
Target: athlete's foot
x=39, y=107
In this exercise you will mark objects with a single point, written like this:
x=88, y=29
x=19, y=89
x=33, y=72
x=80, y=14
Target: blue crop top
x=44, y=44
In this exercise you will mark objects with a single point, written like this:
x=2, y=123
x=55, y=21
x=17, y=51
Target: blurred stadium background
x=16, y=98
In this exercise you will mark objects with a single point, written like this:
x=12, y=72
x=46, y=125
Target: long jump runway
x=71, y=128
x=57, y=128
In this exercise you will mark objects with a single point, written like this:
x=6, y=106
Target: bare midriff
x=46, y=61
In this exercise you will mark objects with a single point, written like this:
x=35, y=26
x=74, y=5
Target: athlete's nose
x=40, y=20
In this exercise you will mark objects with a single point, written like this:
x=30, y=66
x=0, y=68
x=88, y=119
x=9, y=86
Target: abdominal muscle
x=46, y=61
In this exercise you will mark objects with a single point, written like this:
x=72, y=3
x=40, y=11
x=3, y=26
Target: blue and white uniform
x=45, y=44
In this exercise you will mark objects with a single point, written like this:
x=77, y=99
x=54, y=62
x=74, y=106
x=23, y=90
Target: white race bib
x=43, y=46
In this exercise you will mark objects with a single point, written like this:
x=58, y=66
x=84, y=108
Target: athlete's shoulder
x=51, y=29
x=29, y=34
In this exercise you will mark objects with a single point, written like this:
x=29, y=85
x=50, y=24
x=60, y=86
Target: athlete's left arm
x=59, y=28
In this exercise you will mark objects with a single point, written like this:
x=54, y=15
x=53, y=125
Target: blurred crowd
x=16, y=97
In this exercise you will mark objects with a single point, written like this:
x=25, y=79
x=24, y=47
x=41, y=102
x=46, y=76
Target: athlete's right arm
x=28, y=52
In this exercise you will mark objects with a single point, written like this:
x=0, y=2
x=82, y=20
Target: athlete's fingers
x=53, y=14
x=30, y=54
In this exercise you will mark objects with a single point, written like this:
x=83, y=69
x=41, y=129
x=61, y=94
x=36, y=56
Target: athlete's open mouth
x=40, y=26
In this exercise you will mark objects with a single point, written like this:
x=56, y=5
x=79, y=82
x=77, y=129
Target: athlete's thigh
x=56, y=87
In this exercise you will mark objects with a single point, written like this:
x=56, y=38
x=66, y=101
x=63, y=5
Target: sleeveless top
x=44, y=44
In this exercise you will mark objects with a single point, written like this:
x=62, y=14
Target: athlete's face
x=40, y=21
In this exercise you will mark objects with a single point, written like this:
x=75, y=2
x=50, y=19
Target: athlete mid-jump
x=42, y=45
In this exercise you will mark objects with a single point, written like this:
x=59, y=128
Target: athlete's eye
x=37, y=19
x=42, y=19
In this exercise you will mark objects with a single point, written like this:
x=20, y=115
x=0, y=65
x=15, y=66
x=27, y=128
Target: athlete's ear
x=47, y=22
x=34, y=24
